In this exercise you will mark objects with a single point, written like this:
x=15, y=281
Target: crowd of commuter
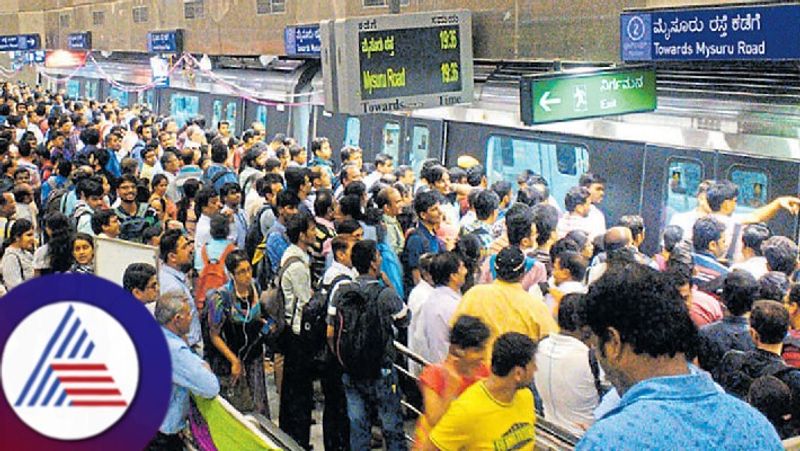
x=307, y=265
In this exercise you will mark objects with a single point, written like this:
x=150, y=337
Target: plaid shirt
x=481, y=230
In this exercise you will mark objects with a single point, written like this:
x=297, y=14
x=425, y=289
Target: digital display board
x=398, y=62
x=563, y=96
x=410, y=61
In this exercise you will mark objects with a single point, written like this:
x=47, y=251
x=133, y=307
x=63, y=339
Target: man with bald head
x=618, y=244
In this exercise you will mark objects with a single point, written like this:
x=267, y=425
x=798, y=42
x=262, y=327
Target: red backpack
x=212, y=276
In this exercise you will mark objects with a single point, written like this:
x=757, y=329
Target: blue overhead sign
x=302, y=40
x=720, y=33
x=80, y=41
x=20, y=42
x=165, y=41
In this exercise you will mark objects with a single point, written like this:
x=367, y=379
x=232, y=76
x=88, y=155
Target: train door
x=562, y=165
x=74, y=88
x=183, y=105
x=386, y=135
x=408, y=140
x=274, y=118
x=122, y=96
x=92, y=89
x=227, y=109
x=760, y=181
x=423, y=140
x=671, y=179
x=340, y=129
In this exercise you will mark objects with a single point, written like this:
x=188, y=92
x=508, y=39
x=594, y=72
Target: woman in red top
x=443, y=382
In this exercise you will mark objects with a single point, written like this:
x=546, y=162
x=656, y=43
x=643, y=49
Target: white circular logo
x=636, y=28
x=69, y=370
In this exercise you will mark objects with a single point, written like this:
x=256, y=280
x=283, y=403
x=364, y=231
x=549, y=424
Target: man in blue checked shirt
x=190, y=374
x=644, y=338
x=176, y=257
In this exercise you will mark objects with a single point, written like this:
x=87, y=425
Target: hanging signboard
x=762, y=32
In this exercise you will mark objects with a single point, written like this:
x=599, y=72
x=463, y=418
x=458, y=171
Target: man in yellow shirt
x=498, y=413
x=504, y=306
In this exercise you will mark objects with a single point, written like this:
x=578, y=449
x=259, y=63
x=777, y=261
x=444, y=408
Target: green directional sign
x=568, y=96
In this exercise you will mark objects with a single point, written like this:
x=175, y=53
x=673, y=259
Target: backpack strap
x=228, y=249
x=6, y=229
x=204, y=255
x=219, y=175
x=249, y=181
x=595, y=367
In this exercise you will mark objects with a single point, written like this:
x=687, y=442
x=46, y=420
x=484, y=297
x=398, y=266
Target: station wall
x=524, y=29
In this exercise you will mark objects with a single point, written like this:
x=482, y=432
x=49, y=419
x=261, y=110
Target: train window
x=420, y=150
x=92, y=89
x=120, y=95
x=217, y=113
x=683, y=179
x=753, y=188
x=261, y=115
x=73, y=89
x=391, y=139
x=571, y=160
x=182, y=107
x=352, y=133
x=507, y=157
x=231, y=114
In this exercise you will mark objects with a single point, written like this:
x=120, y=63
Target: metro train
x=735, y=123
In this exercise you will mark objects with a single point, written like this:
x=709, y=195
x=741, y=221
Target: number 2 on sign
x=449, y=72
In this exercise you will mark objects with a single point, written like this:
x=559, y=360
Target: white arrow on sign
x=546, y=101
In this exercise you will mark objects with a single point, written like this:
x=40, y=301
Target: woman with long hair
x=186, y=213
x=82, y=254
x=56, y=255
x=237, y=328
x=158, y=187
x=17, y=261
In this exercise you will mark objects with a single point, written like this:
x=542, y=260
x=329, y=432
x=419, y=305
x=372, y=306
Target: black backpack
x=254, y=236
x=56, y=199
x=361, y=330
x=273, y=302
x=131, y=228
x=314, y=326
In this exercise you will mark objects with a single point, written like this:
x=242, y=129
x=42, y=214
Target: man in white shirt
x=578, y=203
x=687, y=219
x=754, y=262
x=569, y=387
x=722, y=197
x=207, y=202
x=416, y=300
x=448, y=273
x=597, y=191
x=569, y=269
x=384, y=165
